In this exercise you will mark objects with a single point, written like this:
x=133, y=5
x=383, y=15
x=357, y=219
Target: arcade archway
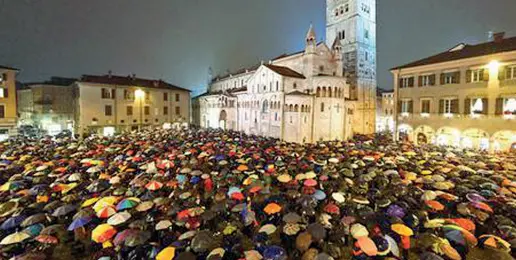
x=223, y=119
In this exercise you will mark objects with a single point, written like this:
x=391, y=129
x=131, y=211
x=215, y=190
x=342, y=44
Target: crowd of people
x=212, y=194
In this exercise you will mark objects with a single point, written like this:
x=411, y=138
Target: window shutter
x=441, y=106
x=399, y=107
x=484, y=75
x=113, y=92
x=6, y=92
x=400, y=83
x=468, y=76
x=410, y=106
x=499, y=106
x=467, y=106
x=455, y=106
x=411, y=82
x=485, y=106
x=4, y=77
x=457, y=77
x=502, y=73
x=420, y=81
x=442, y=78
x=432, y=80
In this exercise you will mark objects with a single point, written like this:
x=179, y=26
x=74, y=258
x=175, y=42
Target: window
x=366, y=34
x=165, y=96
x=510, y=73
x=406, y=106
x=509, y=107
x=277, y=85
x=128, y=95
x=2, y=111
x=177, y=97
x=265, y=106
x=245, y=116
x=322, y=107
x=3, y=77
x=425, y=106
x=449, y=106
x=108, y=110
x=129, y=110
x=147, y=95
x=407, y=82
x=426, y=80
x=366, y=56
x=342, y=35
x=450, y=78
x=4, y=93
x=295, y=85
x=321, y=68
x=476, y=106
x=476, y=75
x=107, y=93
x=146, y=110
x=346, y=7
x=275, y=116
x=178, y=111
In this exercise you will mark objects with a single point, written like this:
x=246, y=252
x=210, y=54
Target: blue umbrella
x=181, y=178
x=233, y=190
x=195, y=180
x=12, y=222
x=395, y=211
x=274, y=253
x=34, y=230
x=79, y=222
x=455, y=236
x=37, y=188
x=319, y=195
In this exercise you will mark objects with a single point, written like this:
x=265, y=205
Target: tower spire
x=310, y=40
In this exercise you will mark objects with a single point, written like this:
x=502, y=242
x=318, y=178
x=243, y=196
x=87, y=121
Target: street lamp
x=140, y=94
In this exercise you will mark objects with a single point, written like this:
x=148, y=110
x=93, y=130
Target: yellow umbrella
x=104, y=202
x=14, y=238
x=69, y=187
x=242, y=167
x=89, y=202
x=402, y=230
x=166, y=254
x=310, y=175
x=103, y=233
x=284, y=178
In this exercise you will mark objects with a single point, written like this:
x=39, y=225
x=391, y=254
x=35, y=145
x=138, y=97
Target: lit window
x=476, y=75
x=509, y=106
x=477, y=106
x=425, y=106
x=2, y=93
x=146, y=110
x=108, y=111
x=406, y=107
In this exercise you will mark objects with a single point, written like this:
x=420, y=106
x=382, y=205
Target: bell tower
x=353, y=23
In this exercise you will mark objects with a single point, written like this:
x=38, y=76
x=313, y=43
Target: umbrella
x=14, y=238
x=79, y=222
x=121, y=236
x=367, y=245
x=53, y=229
x=274, y=253
x=154, y=185
x=127, y=203
x=167, y=253
x=12, y=222
x=64, y=210
x=272, y=208
x=494, y=242
x=358, y=230
x=435, y=205
x=103, y=233
x=402, y=230
x=163, y=224
x=291, y=217
x=119, y=218
x=106, y=212
x=267, y=229
x=144, y=206
x=8, y=208
x=137, y=238
x=34, y=219
x=47, y=239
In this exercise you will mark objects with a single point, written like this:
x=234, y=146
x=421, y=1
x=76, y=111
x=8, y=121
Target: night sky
x=178, y=40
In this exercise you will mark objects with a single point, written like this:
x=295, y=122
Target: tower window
x=343, y=35
x=346, y=7
x=341, y=10
x=366, y=34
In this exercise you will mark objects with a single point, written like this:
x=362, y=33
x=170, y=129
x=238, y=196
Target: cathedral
x=325, y=92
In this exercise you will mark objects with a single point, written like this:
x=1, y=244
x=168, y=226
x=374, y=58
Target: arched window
x=323, y=92
x=322, y=107
x=277, y=85
x=296, y=108
x=290, y=108
x=318, y=93
x=265, y=106
x=329, y=92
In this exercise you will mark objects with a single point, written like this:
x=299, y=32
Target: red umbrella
x=310, y=183
x=46, y=239
x=154, y=185
x=332, y=209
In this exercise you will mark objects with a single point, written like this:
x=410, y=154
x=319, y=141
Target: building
x=108, y=104
x=48, y=105
x=385, y=111
x=8, y=115
x=324, y=92
x=464, y=96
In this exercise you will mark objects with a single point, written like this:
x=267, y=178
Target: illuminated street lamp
x=140, y=95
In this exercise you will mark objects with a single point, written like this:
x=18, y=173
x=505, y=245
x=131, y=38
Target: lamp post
x=140, y=94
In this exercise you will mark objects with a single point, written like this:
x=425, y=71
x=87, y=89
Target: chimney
x=490, y=36
x=498, y=37
x=109, y=74
x=133, y=76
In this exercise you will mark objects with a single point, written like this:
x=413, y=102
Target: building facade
x=464, y=97
x=49, y=105
x=8, y=105
x=305, y=96
x=109, y=104
x=385, y=111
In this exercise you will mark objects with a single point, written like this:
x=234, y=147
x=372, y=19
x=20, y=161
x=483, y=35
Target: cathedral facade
x=325, y=92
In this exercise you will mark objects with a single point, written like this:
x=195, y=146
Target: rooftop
x=8, y=68
x=129, y=81
x=464, y=51
x=284, y=71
